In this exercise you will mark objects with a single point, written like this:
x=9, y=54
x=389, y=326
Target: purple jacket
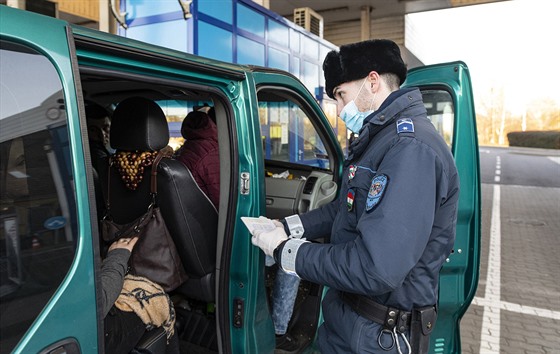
x=200, y=153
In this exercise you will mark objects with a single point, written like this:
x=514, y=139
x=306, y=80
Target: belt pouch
x=421, y=326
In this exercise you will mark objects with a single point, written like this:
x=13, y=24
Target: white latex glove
x=269, y=240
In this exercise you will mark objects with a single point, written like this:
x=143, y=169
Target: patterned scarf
x=148, y=300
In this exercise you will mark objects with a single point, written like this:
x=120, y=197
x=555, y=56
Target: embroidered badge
x=376, y=191
x=405, y=125
x=350, y=199
x=352, y=171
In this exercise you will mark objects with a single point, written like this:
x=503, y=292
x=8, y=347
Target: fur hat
x=357, y=60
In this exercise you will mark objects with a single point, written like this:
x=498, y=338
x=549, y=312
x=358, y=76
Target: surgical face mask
x=352, y=116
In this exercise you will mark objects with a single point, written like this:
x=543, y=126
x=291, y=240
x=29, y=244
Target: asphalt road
x=521, y=166
x=517, y=305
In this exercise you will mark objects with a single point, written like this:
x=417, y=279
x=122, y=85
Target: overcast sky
x=512, y=45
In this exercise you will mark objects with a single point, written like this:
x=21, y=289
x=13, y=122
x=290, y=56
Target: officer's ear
x=373, y=80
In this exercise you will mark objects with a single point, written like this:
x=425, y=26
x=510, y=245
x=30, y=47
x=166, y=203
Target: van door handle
x=65, y=346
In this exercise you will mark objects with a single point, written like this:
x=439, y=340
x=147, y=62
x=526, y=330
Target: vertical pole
x=104, y=16
x=365, y=20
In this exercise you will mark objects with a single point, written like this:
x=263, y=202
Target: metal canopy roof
x=334, y=11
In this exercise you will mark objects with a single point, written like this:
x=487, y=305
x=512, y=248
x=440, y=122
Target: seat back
x=138, y=126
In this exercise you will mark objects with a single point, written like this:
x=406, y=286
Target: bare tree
x=494, y=120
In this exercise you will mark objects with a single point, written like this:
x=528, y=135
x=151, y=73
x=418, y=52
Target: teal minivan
x=269, y=125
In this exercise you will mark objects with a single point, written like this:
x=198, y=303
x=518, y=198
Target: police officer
x=392, y=226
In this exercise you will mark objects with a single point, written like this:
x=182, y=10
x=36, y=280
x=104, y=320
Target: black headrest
x=139, y=124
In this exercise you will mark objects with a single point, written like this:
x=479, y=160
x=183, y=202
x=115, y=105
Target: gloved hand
x=269, y=240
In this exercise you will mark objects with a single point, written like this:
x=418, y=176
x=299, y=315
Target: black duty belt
x=389, y=317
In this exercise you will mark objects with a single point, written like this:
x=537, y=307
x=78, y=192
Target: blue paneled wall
x=237, y=31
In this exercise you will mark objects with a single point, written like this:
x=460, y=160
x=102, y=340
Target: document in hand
x=254, y=224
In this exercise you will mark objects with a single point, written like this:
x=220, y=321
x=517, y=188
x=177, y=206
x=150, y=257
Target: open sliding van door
x=447, y=94
x=47, y=290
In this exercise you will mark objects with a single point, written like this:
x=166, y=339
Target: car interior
x=299, y=178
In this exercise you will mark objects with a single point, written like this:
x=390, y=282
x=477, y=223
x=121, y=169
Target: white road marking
x=555, y=159
x=491, y=302
x=490, y=333
x=526, y=310
x=498, y=172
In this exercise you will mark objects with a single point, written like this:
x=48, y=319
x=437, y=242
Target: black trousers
x=123, y=331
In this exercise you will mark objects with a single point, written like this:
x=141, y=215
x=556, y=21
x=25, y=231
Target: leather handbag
x=154, y=256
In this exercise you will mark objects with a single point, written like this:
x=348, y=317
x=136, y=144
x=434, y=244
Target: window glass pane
x=322, y=55
x=158, y=33
x=251, y=53
x=310, y=48
x=295, y=67
x=250, y=20
x=278, y=59
x=220, y=9
x=278, y=33
x=294, y=40
x=175, y=112
x=214, y=42
x=310, y=75
x=288, y=133
x=329, y=107
x=136, y=9
x=37, y=205
x=439, y=105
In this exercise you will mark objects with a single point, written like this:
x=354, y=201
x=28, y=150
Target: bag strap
x=165, y=152
x=108, y=200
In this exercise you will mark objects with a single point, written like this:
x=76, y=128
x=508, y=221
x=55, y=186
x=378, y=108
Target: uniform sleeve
x=318, y=222
x=113, y=270
x=391, y=237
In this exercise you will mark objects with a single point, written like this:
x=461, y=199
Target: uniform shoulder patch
x=376, y=191
x=405, y=125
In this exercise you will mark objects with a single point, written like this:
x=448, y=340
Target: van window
x=175, y=112
x=337, y=124
x=439, y=105
x=37, y=205
x=287, y=132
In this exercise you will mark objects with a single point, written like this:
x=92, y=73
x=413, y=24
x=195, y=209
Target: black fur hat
x=357, y=60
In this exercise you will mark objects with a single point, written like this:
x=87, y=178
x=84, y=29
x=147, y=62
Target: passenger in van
x=99, y=126
x=200, y=153
x=126, y=314
x=394, y=223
